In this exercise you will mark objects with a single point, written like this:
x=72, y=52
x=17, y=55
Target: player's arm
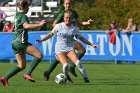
x=86, y=41
x=84, y=23
x=27, y=25
x=51, y=34
x=88, y=22
x=46, y=37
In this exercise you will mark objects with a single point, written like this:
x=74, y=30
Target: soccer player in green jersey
x=79, y=47
x=21, y=46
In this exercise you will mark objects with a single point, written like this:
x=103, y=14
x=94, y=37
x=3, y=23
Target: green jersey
x=20, y=40
x=61, y=16
x=21, y=34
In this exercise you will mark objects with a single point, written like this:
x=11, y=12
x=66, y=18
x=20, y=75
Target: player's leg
x=73, y=56
x=21, y=65
x=34, y=51
x=62, y=57
x=51, y=67
x=80, y=51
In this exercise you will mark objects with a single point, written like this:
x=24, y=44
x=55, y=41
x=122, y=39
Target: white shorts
x=64, y=51
x=63, y=48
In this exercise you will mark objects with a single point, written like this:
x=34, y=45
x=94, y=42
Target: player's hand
x=38, y=41
x=95, y=46
x=89, y=21
x=42, y=22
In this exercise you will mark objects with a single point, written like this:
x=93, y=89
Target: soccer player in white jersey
x=64, y=47
x=80, y=50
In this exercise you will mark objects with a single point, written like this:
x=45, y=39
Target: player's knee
x=40, y=56
x=23, y=66
x=79, y=64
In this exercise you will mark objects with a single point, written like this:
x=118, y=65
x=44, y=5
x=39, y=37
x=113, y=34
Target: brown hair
x=22, y=3
x=68, y=0
x=68, y=12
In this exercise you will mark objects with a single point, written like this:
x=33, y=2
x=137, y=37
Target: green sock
x=52, y=66
x=33, y=65
x=12, y=72
x=80, y=55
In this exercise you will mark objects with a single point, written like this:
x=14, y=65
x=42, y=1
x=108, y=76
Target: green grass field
x=105, y=78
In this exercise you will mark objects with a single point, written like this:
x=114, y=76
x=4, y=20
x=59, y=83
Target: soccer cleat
x=4, y=81
x=72, y=71
x=87, y=81
x=68, y=79
x=29, y=77
x=46, y=75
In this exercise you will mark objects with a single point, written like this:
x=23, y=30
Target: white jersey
x=65, y=37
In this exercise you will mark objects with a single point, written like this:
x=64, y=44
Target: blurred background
x=102, y=11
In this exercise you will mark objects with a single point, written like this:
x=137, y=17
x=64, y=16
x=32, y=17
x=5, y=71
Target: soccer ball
x=60, y=78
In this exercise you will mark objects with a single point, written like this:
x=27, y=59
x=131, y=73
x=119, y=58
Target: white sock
x=65, y=68
x=81, y=68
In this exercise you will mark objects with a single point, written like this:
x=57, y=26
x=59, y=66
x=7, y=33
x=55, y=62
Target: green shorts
x=20, y=47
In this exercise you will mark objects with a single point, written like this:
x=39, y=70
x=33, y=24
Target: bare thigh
x=73, y=56
x=62, y=57
x=21, y=59
x=34, y=51
x=80, y=47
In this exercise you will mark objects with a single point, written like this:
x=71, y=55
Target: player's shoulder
x=59, y=25
x=20, y=14
x=61, y=12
